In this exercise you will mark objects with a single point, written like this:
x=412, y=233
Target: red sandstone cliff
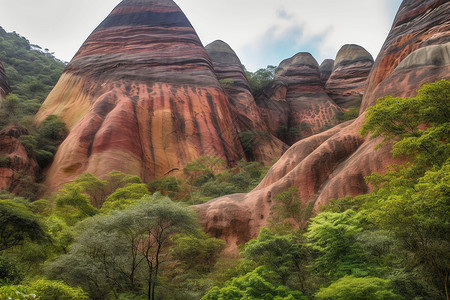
x=333, y=164
x=141, y=97
x=246, y=116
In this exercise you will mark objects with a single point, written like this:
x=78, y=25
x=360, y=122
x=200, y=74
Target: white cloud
x=251, y=27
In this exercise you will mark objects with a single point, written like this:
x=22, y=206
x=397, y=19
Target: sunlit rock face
x=14, y=159
x=4, y=86
x=418, y=24
x=141, y=97
x=246, y=116
x=333, y=164
x=297, y=99
x=348, y=79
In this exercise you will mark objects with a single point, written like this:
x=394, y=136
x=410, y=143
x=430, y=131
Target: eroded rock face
x=141, y=97
x=14, y=158
x=348, y=79
x=245, y=113
x=306, y=108
x=326, y=68
x=4, y=86
x=334, y=163
x=418, y=24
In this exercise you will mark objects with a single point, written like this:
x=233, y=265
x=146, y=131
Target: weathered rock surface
x=141, y=97
x=333, y=164
x=4, y=86
x=326, y=68
x=246, y=116
x=418, y=24
x=14, y=158
x=308, y=107
x=348, y=80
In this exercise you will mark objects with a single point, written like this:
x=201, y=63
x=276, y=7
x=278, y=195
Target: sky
x=261, y=32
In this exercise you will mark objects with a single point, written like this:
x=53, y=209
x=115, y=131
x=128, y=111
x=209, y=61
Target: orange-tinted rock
x=334, y=163
x=308, y=107
x=141, y=97
x=348, y=80
x=417, y=24
x=14, y=158
x=4, y=86
x=246, y=116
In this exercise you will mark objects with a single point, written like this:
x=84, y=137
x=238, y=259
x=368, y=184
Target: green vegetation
x=258, y=80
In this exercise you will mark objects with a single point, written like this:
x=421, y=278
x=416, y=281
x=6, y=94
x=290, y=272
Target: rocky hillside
x=4, y=86
x=333, y=164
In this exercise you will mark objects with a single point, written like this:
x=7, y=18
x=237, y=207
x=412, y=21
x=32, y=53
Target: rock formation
x=326, y=68
x=4, y=86
x=333, y=164
x=14, y=158
x=262, y=146
x=141, y=97
x=308, y=107
x=418, y=24
x=347, y=82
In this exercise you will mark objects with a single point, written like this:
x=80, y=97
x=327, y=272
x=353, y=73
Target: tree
x=286, y=255
x=334, y=237
x=123, y=251
x=261, y=283
x=17, y=224
x=353, y=288
x=125, y=196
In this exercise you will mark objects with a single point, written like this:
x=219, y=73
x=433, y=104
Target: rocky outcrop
x=14, y=158
x=326, y=68
x=262, y=146
x=333, y=164
x=347, y=82
x=4, y=86
x=141, y=97
x=418, y=24
x=306, y=108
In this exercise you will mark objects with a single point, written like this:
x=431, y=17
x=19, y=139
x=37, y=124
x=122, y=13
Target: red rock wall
x=14, y=158
x=347, y=82
x=141, y=97
x=245, y=113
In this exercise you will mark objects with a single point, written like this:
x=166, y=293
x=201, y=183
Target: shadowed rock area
x=326, y=68
x=4, y=86
x=347, y=82
x=14, y=158
x=333, y=164
x=262, y=146
x=297, y=99
x=140, y=90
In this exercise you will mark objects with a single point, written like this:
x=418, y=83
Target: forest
x=120, y=238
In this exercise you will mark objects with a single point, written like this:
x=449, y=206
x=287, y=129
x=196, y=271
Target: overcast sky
x=261, y=32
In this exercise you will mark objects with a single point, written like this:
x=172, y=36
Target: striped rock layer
x=333, y=164
x=348, y=79
x=141, y=97
x=246, y=116
x=297, y=99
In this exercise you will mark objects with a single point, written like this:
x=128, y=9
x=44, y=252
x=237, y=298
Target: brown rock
x=246, y=116
x=141, y=97
x=14, y=158
x=306, y=107
x=348, y=80
x=417, y=24
x=333, y=164
x=326, y=68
